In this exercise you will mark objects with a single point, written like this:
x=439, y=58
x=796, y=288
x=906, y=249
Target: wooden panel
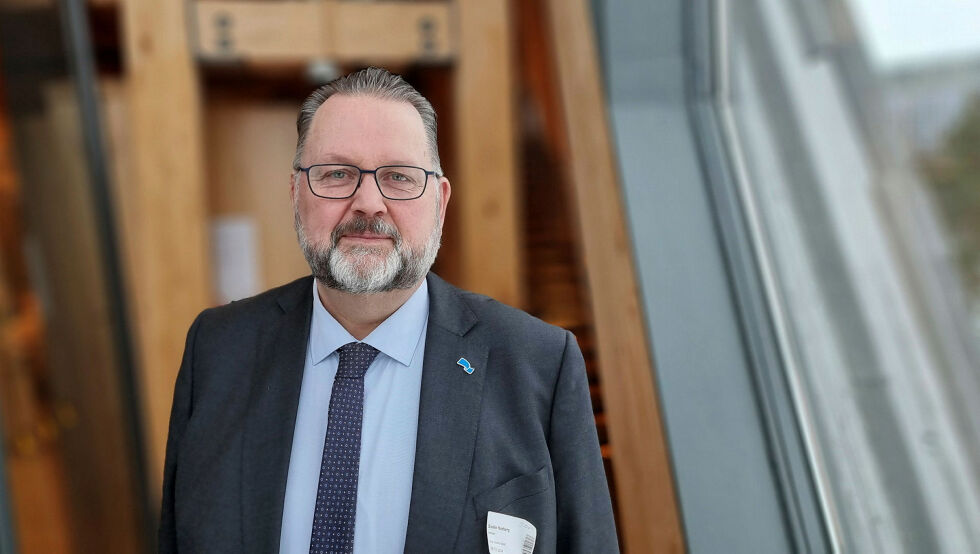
x=648, y=514
x=270, y=31
x=344, y=32
x=171, y=280
x=250, y=152
x=485, y=189
x=557, y=291
x=388, y=32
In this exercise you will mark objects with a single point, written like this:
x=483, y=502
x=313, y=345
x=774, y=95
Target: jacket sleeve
x=180, y=413
x=585, y=518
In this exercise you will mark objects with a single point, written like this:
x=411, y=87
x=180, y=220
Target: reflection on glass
x=952, y=172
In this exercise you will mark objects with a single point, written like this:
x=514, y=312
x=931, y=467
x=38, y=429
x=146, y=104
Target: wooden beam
x=340, y=31
x=171, y=279
x=485, y=189
x=647, y=508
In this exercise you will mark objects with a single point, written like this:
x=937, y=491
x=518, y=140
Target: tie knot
x=355, y=358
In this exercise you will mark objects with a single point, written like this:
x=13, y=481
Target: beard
x=365, y=269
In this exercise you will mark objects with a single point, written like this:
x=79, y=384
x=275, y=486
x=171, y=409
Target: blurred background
x=761, y=219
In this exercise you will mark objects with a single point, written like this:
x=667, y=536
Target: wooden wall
x=649, y=515
x=250, y=145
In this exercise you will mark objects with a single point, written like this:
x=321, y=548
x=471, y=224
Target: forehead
x=366, y=130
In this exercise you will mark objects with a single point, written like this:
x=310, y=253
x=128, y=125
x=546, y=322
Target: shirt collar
x=396, y=337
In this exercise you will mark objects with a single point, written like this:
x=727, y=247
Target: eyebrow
x=341, y=159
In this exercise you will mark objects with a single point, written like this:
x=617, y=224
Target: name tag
x=510, y=535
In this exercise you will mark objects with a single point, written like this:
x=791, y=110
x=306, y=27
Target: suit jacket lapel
x=449, y=413
x=271, y=418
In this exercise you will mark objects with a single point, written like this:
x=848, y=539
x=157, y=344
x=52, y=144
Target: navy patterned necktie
x=336, y=493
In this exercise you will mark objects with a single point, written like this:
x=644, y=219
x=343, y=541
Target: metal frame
x=790, y=427
x=360, y=177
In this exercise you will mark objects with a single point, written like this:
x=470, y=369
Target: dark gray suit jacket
x=517, y=436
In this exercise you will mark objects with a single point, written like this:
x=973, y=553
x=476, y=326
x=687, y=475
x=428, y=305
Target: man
x=373, y=407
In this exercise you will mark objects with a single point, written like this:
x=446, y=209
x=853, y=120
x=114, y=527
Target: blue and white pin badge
x=465, y=364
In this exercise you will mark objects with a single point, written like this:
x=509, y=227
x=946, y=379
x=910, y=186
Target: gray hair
x=375, y=82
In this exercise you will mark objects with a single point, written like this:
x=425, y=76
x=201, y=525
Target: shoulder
x=225, y=342
x=256, y=311
x=508, y=319
x=502, y=323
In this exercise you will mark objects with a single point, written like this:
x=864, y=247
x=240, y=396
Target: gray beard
x=358, y=270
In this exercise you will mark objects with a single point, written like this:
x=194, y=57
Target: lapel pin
x=465, y=364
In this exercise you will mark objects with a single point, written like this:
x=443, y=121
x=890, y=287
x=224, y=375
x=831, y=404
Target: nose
x=367, y=199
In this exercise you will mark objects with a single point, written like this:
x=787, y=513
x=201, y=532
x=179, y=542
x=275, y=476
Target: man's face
x=367, y=243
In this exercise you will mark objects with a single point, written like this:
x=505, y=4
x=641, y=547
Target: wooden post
x=170, y=280
x=647, y=507
x=485, y=189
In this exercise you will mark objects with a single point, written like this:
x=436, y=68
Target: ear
x=445, y=190
x=293, y=177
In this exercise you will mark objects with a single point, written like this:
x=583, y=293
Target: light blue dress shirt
x=388, y=432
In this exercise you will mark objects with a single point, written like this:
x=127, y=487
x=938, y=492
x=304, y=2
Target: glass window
x=861, y=277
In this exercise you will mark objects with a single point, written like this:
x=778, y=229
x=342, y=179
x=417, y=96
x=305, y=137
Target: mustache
x=358, y=225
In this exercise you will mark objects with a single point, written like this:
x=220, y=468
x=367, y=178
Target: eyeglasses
x=339, y=181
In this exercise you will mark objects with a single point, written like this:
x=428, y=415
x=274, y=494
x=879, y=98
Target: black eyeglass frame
x=360, y=179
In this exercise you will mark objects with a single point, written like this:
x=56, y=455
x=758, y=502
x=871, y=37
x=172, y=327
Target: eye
x=401, y=177
x=331, y=175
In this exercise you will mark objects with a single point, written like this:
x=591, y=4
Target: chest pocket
x=499, y=497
